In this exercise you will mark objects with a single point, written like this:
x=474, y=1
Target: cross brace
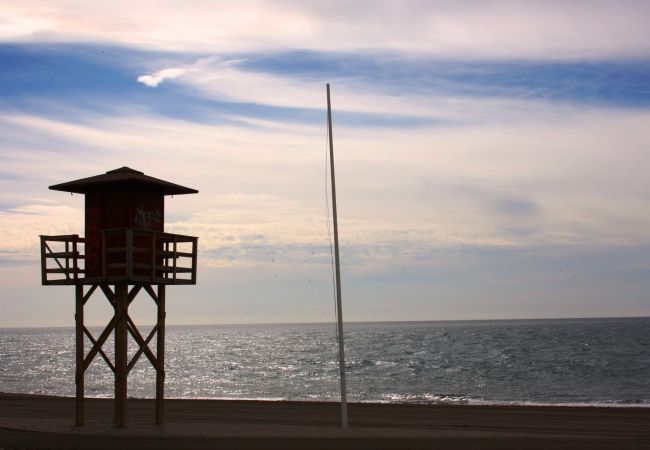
x=120, y=297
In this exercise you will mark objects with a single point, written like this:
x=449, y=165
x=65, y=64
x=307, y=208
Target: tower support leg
x=121, y=342
x=79, y=359
x=160, y=357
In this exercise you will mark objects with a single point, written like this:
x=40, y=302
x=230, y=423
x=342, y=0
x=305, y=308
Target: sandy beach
x=42, y=422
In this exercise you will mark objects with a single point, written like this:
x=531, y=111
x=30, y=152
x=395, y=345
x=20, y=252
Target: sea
x=574, y=362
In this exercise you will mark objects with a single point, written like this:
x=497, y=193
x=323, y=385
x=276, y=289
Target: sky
x=491, y=156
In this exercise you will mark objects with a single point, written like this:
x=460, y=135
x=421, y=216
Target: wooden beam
x=101, y=352
x=79, y=360
x=160, y=356
x=43, y=262
x=90, y=292
x=174, y=259
x=110, y=295
x=134, y=292
x=99, y=343
x=67, y=260
x=71, y=254
x=121, y=343
x=62, y=237
x=65, y=270
x=140, y=340
x=150, y=291
x=141, y=349
x=195, y=245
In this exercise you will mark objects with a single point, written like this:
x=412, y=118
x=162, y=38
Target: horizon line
x=242, y=324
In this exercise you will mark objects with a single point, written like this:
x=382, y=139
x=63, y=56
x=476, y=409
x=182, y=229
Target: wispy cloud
x=501, y=29
x=20, y=227
x=387, y=91
x=559, y=181
x=441, y=100
x=156, y=78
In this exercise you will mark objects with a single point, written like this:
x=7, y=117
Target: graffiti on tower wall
x=147, y=219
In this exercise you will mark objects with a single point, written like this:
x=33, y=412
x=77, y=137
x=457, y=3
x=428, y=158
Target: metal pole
x=339, y=310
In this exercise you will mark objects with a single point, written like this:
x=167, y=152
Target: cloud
x=229, y=80
x=21, y=226
x=465, y=212
x=602, y=29
x=527, y=183
x=517, y=207
x=156, y=78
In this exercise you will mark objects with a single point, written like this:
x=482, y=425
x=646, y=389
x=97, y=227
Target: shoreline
x=470, y=402
x=40, y=421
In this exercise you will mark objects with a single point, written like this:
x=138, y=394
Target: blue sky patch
x=56, y=79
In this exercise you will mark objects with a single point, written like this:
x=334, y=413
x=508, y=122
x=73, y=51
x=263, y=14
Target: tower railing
x=148, y=256
x=64, y=251
x=128, y=255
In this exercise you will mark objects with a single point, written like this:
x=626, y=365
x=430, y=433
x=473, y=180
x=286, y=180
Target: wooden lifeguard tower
x=125, y=251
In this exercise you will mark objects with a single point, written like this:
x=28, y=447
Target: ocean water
x=572, y=361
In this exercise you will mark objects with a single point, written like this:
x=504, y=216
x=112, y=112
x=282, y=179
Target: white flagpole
x=339, y=310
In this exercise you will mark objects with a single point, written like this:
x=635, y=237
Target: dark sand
x=48, y=422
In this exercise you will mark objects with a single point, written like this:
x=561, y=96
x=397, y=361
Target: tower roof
x=121, y=176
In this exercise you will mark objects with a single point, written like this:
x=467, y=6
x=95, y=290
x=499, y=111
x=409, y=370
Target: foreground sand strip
x=48, y=422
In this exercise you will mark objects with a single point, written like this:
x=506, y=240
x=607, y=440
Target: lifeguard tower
x=125, y=251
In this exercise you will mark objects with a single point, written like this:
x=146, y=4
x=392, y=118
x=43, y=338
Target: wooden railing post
x=175, y=257
x=75, y=265
x=194, y=258
x=67, y=259
x=43, y=262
